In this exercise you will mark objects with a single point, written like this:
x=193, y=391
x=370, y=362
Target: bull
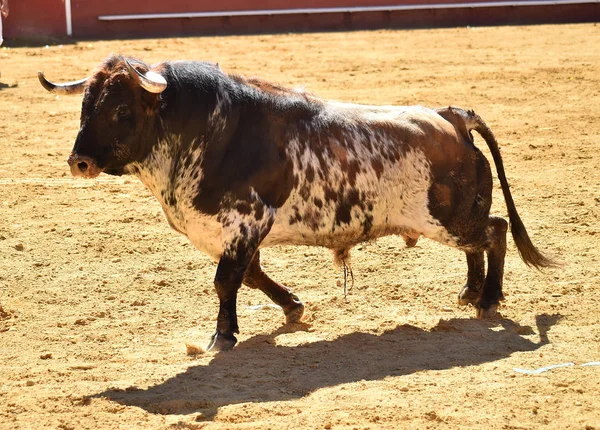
x=239, y=164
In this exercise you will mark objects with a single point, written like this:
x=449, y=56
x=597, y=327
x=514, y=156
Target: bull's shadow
x=258, y=371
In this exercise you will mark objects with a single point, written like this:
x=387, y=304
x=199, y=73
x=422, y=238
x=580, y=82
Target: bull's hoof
x=488, y=312
x=468, y=295
x=294, y=314
x=411, y=241
x=221, y=342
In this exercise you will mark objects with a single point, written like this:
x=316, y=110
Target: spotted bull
x=240, y=164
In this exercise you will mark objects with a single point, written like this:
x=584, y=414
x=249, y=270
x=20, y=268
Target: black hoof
x=294, y=313
x=221, y=342
x=485, y=311
x=468, y=295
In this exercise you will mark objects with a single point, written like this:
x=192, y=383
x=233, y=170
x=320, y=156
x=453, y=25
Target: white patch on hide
x=163, y=172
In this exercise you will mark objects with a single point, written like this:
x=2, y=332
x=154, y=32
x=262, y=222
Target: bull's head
x=119, y=107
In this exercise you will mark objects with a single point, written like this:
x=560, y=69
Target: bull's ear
x=150, y=81
x=150, y=103
x=75, y=87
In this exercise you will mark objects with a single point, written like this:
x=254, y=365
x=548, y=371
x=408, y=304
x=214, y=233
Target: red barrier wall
x=87, y=25
x=34, y=18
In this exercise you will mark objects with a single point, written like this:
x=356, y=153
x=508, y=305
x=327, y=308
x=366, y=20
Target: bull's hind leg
x=496, y=251
x=475, y=278
x=282, y=296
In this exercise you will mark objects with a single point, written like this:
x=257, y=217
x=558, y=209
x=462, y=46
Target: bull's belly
x=340, y=239
x=206, y=233
x=409, y=223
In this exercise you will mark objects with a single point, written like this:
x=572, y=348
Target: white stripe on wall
x=343, y=9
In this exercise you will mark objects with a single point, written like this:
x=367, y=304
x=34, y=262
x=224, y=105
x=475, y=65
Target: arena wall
x=35, y=18
x=135, y=18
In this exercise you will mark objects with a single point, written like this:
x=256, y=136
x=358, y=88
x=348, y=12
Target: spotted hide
x=239, y=164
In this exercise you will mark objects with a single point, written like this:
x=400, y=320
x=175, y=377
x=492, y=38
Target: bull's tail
x=529, y=253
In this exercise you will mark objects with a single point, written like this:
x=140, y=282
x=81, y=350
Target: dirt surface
x=98, y=296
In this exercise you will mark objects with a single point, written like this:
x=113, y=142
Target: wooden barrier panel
x=428, y=13
x=86, y=13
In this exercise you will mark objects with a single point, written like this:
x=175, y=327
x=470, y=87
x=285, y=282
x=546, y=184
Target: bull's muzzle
x=83, y=166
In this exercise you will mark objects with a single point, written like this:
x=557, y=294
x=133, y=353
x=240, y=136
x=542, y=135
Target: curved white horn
x=75, y=87
x=151, y=81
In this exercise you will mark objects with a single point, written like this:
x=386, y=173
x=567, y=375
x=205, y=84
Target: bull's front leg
x=242, y=235
x=230, y=273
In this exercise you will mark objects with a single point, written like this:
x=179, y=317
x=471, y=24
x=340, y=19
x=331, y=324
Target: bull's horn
x=75, y=87
x=151, y=81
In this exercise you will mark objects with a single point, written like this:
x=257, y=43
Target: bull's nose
x=83, y=166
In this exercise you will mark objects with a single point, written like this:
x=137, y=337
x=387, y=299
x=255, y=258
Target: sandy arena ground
x=98, y=296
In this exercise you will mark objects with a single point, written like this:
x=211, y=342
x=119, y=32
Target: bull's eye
x=123, y=113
